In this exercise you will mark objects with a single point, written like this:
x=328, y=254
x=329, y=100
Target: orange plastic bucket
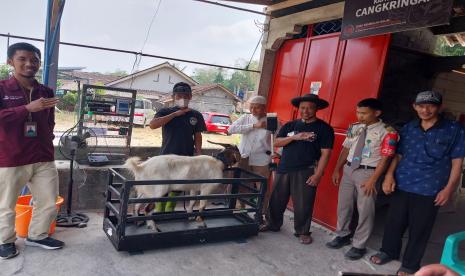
x=24, y=214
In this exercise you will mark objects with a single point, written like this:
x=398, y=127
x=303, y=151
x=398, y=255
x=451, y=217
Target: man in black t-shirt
x=181, y=129
x=307, y=144
x=181, y=126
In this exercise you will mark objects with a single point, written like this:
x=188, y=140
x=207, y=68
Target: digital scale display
x=122, y=106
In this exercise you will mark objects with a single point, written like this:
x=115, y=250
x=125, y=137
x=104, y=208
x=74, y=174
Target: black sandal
x=263, y=227
x=382, y=257
x=267, y=227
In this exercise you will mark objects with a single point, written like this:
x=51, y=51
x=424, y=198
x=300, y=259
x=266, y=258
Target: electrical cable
x=133, y=52
x=232, y=7
x=150, y=25
x=254, y=51
x=135, y=66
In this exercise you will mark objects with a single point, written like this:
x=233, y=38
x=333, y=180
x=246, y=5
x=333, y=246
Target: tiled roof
x=92, y=77
x=151, y=69
x=198, y=89
x=67, y=78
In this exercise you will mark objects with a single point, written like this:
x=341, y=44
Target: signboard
x=59, y=92
x=373, y=17
x=315, y=87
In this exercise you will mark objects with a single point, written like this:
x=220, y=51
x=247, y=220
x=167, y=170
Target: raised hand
x=261, y=124
x=181, y=112
x=41, y=104
x=304, y=136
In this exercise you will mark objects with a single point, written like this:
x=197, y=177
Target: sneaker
x=47, y=243
x=355, y=253
x=338, y=242
x=8, y=251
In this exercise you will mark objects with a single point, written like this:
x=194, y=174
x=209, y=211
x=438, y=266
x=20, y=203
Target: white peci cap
x=257, y=100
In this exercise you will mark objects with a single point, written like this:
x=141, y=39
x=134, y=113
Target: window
x=221, y=120
x=157, y=78
x=139, y=104
x=327, y=27
x=148, y=105
x=169, y=80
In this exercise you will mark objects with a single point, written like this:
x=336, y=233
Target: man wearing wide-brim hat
x=307, y=143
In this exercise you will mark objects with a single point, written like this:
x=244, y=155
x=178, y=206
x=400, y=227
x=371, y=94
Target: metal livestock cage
x=175, y=228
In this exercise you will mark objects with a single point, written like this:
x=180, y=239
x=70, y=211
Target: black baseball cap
x=429, y=97
x=182, y=88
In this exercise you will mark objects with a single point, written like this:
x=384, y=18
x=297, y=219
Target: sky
x=183, y=29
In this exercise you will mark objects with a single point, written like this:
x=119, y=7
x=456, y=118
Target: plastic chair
x=450, y=254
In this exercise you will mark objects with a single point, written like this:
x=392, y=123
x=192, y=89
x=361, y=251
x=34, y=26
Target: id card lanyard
x=30, y=127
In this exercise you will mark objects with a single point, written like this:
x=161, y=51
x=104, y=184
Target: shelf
x=110, y=114
x=112, y=136
x=100, y=101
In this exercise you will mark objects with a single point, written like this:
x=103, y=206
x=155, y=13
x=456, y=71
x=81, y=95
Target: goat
x=171, y=167
x=230, y=155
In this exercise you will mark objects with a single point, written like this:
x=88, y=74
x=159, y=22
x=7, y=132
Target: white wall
x=161, y=80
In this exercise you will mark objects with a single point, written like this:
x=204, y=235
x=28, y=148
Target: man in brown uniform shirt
x=26, y=150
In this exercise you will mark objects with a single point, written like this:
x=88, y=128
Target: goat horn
x=221, y=144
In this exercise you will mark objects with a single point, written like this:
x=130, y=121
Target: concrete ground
x=450, y=220
x=89, y=252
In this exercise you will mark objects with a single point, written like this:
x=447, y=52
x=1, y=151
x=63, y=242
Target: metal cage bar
x=118, y=198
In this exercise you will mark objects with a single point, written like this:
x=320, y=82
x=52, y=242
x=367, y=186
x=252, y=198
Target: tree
x=69, y=101
x=205, y=75
x=118, y=72
x=443, y=49
x=5, y=71
x=234, y=80
x=243, y=80
x=59, y=84
x=219, y=77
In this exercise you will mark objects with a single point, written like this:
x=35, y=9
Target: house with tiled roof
x=156, y=84
x=153, y=83
x=68, y=78
x=210, y=98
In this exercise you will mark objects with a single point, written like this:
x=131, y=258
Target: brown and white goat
x=174, y=167
x=229, y=155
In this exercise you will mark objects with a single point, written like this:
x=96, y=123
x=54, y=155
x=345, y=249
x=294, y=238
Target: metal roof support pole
x=52, y=41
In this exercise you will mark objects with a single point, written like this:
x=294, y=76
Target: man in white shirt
x=255, y=145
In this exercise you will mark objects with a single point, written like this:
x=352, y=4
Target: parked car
x=217, y=122
x=143, y=112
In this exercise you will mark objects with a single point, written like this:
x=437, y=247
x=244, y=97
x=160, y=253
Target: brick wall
x=452, y=87
x=90, y=183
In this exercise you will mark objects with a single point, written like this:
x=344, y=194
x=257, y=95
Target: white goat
x=171, y=167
